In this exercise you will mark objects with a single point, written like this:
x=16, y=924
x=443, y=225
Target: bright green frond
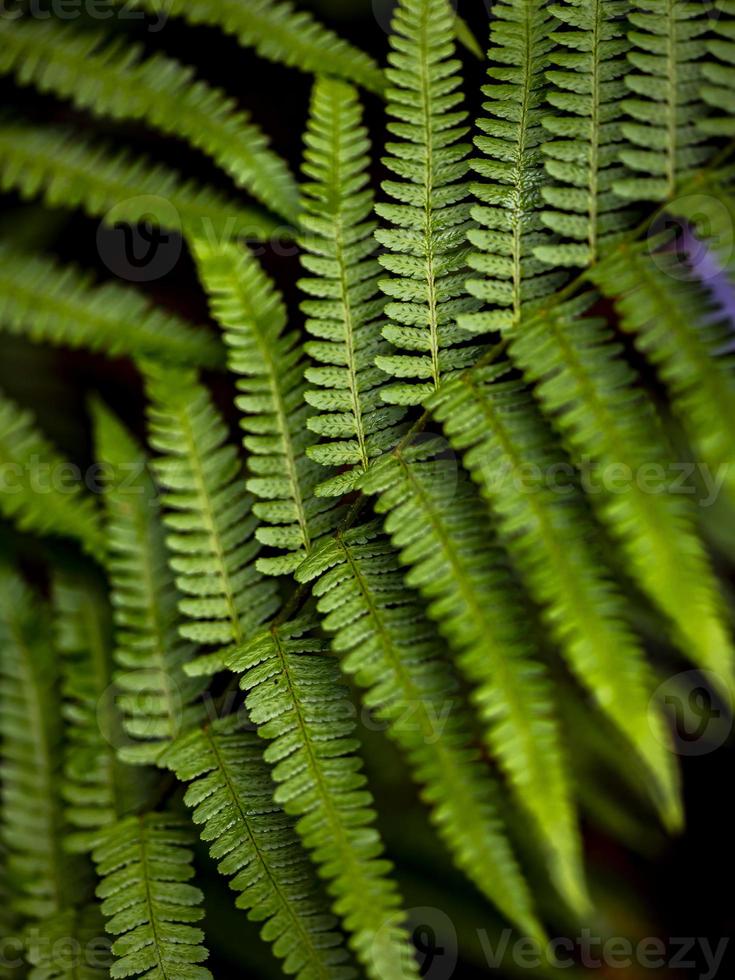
x=675, y=326
x=610, y=424
x=70, y=171
x=113, y=77
x=208, y=513
x=278, y=31
x=665, y=143
x=582, y=159
x=59, y=304
x=145, y=869
x=511, y=169
x=299, y=704
x=718, y=88
x=346, y=306
x=156, y=697
x=256, y=846
x=270, y=370
x=425, y=228
x=546, y=527
x=70, y=946
x=42, y=879
x=39, y=490
x=98, y=789
x=384, y=640
x=440, y=526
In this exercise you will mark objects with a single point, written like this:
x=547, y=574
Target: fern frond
x=270, y=371
x=587, y=90
x=384, y=640
x=59, y=304
x=299, y=704
x=255, y=844
x=666, y=144
x=39, y=490
x=42, y=879
x=97, y=788
x=145, y=869
x=344, y=314
x=279, y=32
x=425, y=234
x=68, y=947
x=718, y=87
x=157, y=699
x=208, y=514
x=440, y=527
x=109, y=76
x=70, y=171
x=511, y=169
x=676, y=328
x=550, y=537
x=586, y=387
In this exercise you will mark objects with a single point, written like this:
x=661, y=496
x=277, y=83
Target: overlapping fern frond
x=511, y=169
x=42, y=879
x=98, y=789
x=549, y=533
x=268, y=364
x=71, y=171
x=718, y=72
x=582, y=157
x=148, y=902
x=208, y=514
x=278, y=31
x=345, y=312
x=424, y=228
x=299, y=704
x=39, y=490
x=60, y=304
x=256, y=846
x=112, y=77
x=440, y=527
x=666, y=144
x=384, y=640
x=157, y=700
x=587, y=388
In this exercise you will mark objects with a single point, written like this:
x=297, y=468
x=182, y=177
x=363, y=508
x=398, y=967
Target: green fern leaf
x=550, y=537
x=511, y=169
x=47, y=302
x=255, y=844
x=112, y=77
x=97, y=788
x=343, y=316
x=157, y=699
x=718, y=87
x=69, y=171
x=676, y=328
x=587, y=90
x=299, y=704
x=42, y=879
x=380, y=632
x=145, y=869
x=425, y=235
x=588, y=390
x=208, y=514
x=666, y=145
x=40, y=491
x=278, y=31
x=441, y=529
x=69, y=946
x=270, y=372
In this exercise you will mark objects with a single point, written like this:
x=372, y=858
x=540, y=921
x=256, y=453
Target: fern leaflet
x=149, y=905
x=69, y=946
x=254, y=843
x=719, y=73
x=343, y=316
